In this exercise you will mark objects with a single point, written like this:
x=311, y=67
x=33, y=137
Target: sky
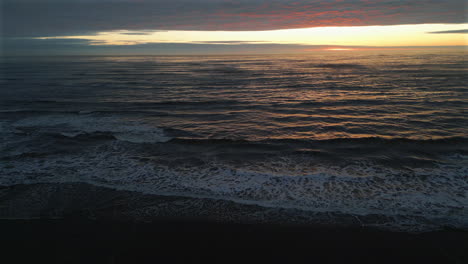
x=74, y=27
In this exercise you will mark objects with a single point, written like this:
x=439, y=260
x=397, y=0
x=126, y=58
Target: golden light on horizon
x=376, y=36
x=339, y=49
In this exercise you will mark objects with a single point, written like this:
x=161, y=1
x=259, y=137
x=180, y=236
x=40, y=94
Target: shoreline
x=87, y=201
x=82, y=223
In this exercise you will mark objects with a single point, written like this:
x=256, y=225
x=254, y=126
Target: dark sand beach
x=75, y=240
x=80, y=223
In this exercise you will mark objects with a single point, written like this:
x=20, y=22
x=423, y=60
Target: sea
x=358, y=133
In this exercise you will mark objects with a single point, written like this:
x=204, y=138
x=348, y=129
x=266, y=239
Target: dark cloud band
x=461, y=31
x=34, y=18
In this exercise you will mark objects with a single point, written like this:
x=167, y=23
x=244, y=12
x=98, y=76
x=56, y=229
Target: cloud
x=46, y=47
x=38, y=18
x=137, y=33
x=461, y=31
x=32, y=47
x=231, y=42
x=23, y=46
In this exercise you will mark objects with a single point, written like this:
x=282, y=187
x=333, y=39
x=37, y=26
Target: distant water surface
x=360, y=133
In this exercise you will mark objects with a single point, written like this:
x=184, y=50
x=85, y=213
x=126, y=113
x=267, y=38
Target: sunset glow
x=379, y=36
x=338, y=49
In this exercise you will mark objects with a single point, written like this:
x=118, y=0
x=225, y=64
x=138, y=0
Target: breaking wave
x=78, y=125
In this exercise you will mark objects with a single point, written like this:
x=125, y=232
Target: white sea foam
x=437, y=195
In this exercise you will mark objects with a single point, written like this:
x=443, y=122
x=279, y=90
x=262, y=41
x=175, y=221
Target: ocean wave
x=79, y=125
x=104, y=125
x=448, y=141
x=2, y=111
x=339, y=66
x=392, y=152
x=434, y=195
x=46, y=105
